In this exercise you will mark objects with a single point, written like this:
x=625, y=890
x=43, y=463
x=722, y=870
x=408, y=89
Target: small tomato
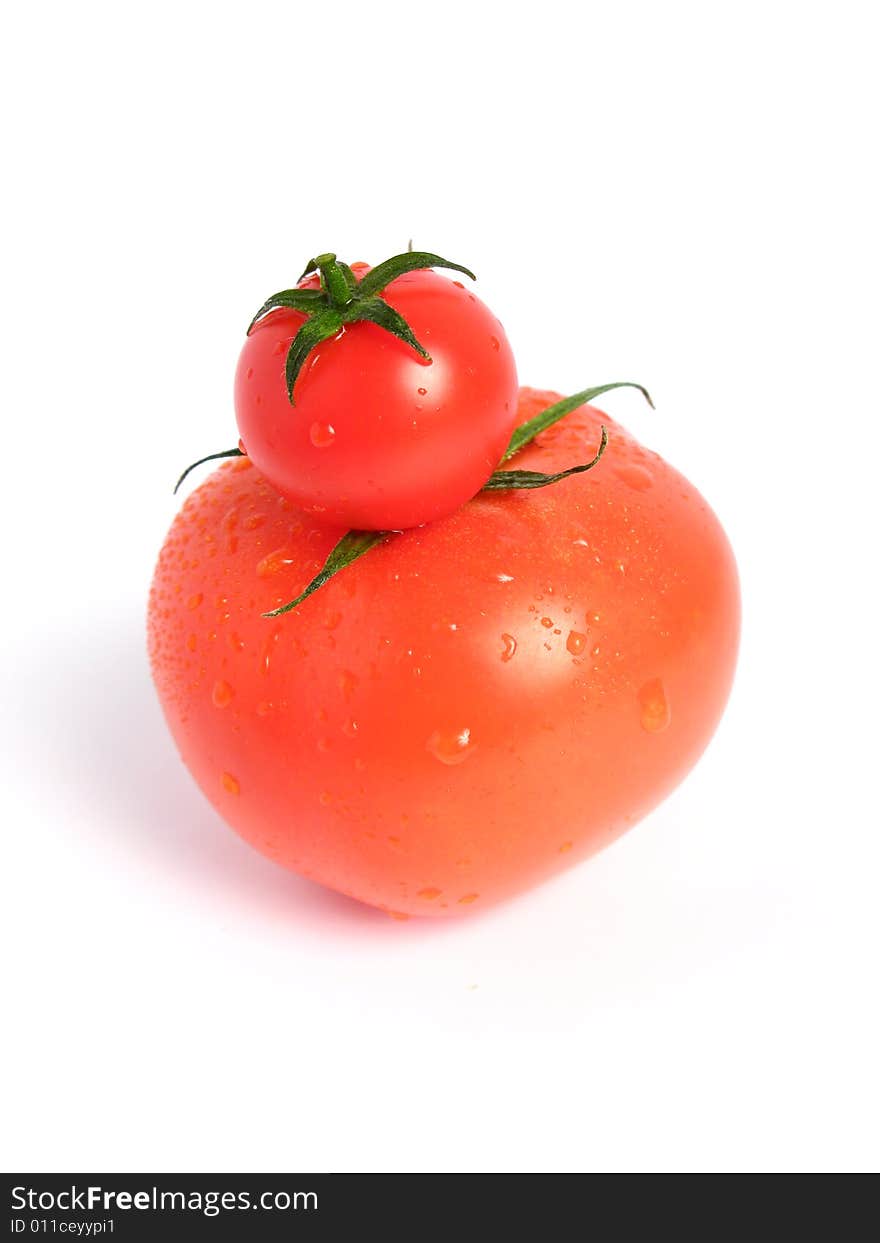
x=381, y=412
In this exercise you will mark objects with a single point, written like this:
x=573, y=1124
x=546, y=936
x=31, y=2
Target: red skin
x=397, y=456
x=584, y=635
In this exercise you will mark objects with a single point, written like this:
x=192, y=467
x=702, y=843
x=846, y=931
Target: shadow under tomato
x=118, y=762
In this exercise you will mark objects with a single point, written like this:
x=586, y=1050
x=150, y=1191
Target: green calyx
x=343, y=299
x=355, y=544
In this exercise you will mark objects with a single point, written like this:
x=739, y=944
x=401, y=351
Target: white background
x=677, y=193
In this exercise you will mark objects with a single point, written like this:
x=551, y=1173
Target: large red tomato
x=379, y=438
x=469, y=707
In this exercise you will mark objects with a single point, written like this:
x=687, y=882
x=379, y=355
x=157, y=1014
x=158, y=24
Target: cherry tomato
x=472, y=705
x=378, y=438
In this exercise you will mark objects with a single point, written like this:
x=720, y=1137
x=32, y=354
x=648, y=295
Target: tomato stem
x=337, y=279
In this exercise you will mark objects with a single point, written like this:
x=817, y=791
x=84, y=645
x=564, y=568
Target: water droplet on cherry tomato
x=322, y=435
x=230, y=783
x=468, y=897
x=509, y=647
x=495, y=343
x=576, y=642
x=222, y=694
x=422, y=392
x=564, y=847
x=547, y=622
x=451, y=746
x=655, y=713
x=194, y=601
x=429, y=894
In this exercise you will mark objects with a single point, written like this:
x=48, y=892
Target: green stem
x=334, y=280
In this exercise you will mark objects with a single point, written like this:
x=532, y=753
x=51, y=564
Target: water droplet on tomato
x=576, y=642
x=280, y=348
x=509, y=647
x=565, y=847
x=429, y=894
x=322, y=435
x=250, y=373
x=347, y=682
x=468, y=897
x=230, y=784
x=636, y=477
x=191, y=642
x=451, y=746
x=325, y=798
x=504, y=578
x=547, y=622
x=422, y=392
x=274, y=561
x=654, y=715
x=495, y=343
x=253, y=521
x=267, y=649
x=222, y=694
x=194, y=601
x=458, y=285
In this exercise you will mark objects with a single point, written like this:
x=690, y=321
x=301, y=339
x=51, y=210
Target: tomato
x=379, y=438
x=472, y=705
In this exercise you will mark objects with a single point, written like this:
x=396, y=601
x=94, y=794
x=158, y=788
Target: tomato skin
x=379, y=439
x=473, y=705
